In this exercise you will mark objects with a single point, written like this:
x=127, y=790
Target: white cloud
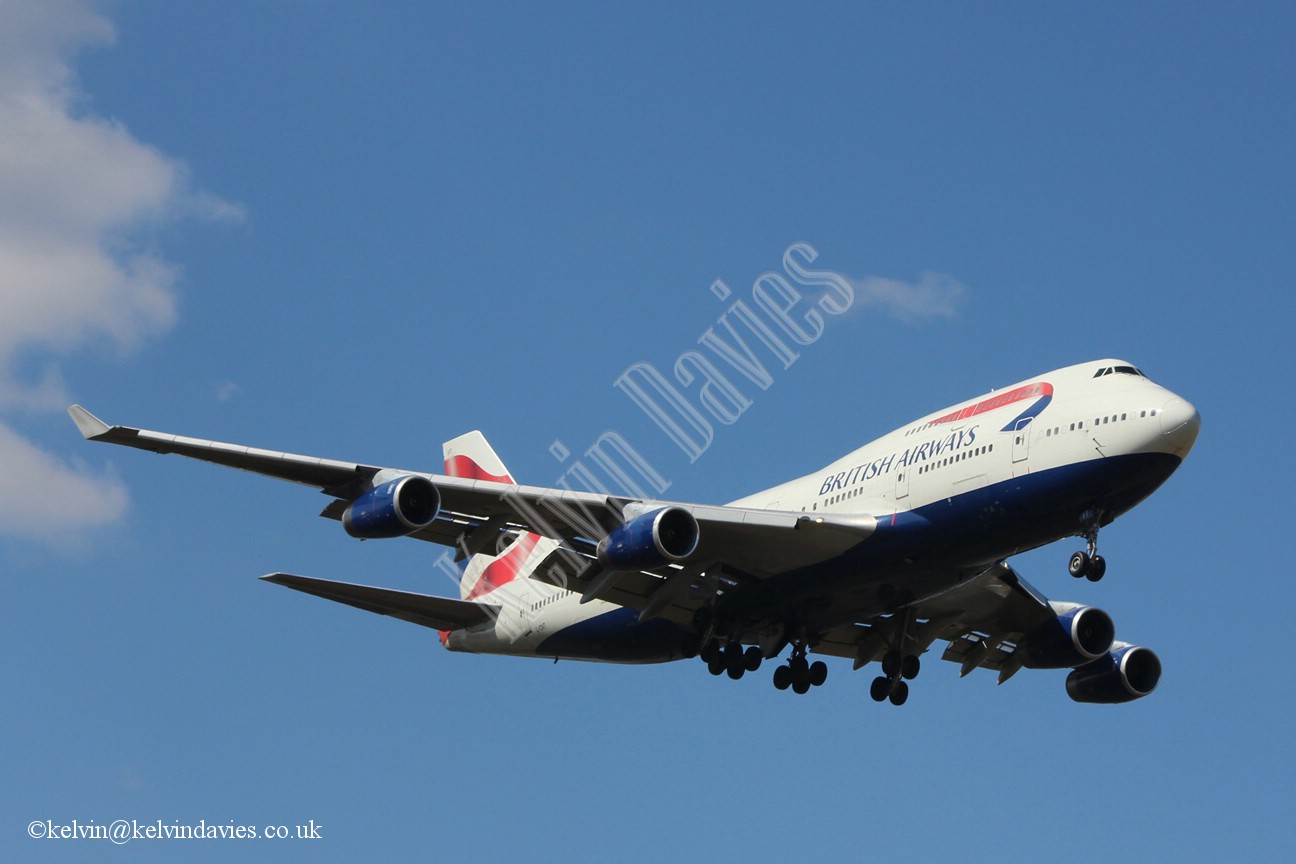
x=934, y=295
x=226, y=391
x=75, y=190
x=40, y=496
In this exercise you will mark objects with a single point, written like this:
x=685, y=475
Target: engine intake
x=397, y=508
x=1075, y=637
x=654, y=539
x=1128, y=673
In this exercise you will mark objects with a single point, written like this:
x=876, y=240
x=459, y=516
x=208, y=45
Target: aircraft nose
x=1180, y=424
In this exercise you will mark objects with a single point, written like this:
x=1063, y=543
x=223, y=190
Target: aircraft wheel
x=735, y=665
x=880, y=689
x=1097, y=568
x=818, y=673
x=752, y=658
x=716, y=665
x=782, y=678
x=1079, y=565
x=710, y=651
x=900, y=693
x=891, y=663
x=800, y=685
x=909, y=666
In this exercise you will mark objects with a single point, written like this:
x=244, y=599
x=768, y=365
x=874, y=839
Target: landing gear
x=886, y=688
x=896, y=670
x=800, y=674
x=731, y=658
x=1088, y=564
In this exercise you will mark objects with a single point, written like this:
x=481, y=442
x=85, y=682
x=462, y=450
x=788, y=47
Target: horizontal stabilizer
x=439, y=613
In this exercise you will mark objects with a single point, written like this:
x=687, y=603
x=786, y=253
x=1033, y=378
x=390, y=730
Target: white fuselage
x=1067, y=425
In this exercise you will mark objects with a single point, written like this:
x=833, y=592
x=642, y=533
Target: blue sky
x=357, y=231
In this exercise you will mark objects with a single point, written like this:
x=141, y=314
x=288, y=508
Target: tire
x=880, y=689
x=734, y=664
x=752, y=658
x=1097, y=568
x=909, y=667
x=900, y=694
x=782, y=678
x=1078, y=566
x=818, y=673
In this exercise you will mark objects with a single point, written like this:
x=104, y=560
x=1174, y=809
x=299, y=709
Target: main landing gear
x=1088, y=564
x=799, y=674
x=897, y=669
x=731, y=659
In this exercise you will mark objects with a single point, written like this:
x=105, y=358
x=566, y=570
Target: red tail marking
x=464, y=466
x=505, y=569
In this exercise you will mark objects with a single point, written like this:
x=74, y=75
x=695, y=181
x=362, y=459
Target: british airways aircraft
x=892, y=548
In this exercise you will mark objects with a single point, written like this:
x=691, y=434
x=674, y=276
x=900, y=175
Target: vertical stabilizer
x=471, y=456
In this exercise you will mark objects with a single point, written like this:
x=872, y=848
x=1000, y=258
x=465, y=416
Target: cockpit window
x=1118, y=370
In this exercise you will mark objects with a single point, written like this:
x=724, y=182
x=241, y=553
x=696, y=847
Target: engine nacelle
x=395, y=509
x=1125, y=674
x=1077, y=636
x=654, y=539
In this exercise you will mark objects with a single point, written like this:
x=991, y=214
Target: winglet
x=90, y=426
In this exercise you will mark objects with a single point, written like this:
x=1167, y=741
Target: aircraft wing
x=982, y=620
x=755, y=542
x=439, y=613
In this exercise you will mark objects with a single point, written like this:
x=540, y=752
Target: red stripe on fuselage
x=999, y=400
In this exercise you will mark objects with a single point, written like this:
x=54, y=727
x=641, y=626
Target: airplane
x=875, y=557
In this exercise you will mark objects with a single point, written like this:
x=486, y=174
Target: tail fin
x=471, y=456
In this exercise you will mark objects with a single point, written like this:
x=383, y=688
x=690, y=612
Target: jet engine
x=1125, y=674
x=1078, y=635
x=651, y=540
x=397, y=508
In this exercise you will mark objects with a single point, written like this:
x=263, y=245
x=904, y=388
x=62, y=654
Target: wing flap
x=982, y=620
x=439, y=613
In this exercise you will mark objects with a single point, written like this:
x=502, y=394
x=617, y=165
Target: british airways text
x=918, y=453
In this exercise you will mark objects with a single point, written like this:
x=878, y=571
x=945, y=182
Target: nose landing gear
x=1088, y=564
